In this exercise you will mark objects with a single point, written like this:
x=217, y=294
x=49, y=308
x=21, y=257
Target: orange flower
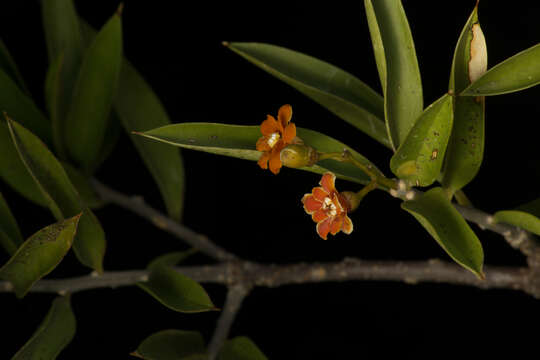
x=276, y=135
x=328, y=208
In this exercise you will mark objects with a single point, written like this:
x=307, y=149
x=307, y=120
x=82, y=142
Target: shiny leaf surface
x=446, y=225
x=39, y=255
x=520, y=219
x=240, y=348
x=340, y=92
x=391, y=35
x=419, y=159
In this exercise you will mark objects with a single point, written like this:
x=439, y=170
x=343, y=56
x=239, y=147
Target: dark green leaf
x=10, y=235
x=10, y=68
x=20, y=107
x=93, y=95
x=39, y=255
x=338, y=91
x=240, y=348
x=466, y=145
x=532, y=207
x=53, y=95
x=164, y=163
x=171, y=259
x=419, y=158
x=64, y=40
x=53, y=335
x=82, y=183
x=171, y=345
x=176, y=291
x=519, y=72
x=520, y=219
x=239, y=141
x=13, y=171
x=445, y=224
x=402, y=87
x=62, y=198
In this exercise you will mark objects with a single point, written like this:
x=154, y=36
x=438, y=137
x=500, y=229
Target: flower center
x=273, y=139
x=329, y=206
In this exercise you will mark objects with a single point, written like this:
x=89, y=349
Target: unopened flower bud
x=353, y=200
x=298, y=155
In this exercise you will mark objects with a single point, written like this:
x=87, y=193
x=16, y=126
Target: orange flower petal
x=311, y=204
x=339, y=206
x=323, y=228
x=263, y=160
x=269, y=126
x=289, y=133
x=284, y=115
x=262, y=144
x=336, y=224
x=347, y=226
x=328, y=181
x=319, y=215
x=274, y=161
x=319, y=193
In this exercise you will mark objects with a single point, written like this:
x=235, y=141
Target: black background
x=177, y=47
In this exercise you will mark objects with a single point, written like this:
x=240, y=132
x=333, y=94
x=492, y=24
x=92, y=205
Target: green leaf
x=39, y=255
x=10, y=68
x=419, y=158
x=19, y=106
x=239, y=141
x=53, y=335
x=64, y=40
x=176, y=291
x=10, y=235
x=340, y=92
x=519, y=72
x=171, y=259
x=466, y=145
x=53, y=96
x=93, y=95
x=164, y=163
x=12, y=169
x=520, y=219
x=82, y=183
x=240, y=348
x=62, y=198
x=532, y=207
x=445, y=224
x=171, y=345
x=402, y=89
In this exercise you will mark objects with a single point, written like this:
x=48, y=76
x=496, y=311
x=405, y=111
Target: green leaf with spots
x=445, y=224
x=176, y=291
x=419, y=159
x=516, y=73
x=10, y=68
x=53, y=335
x=93, y=95
x=10, y=235
x=340, y=92
x=240, y=348
x=171, y=345
x=239, y=142
x=466, y=145
x=60, y=195
x=39, y=255
x=398, y=67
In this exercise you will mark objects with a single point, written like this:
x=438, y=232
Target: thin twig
x=235, y=295
x=270, y=275
x=139, y=207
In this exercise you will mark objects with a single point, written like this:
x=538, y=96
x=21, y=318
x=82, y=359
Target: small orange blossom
x=328, y=208
x=276, y=135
